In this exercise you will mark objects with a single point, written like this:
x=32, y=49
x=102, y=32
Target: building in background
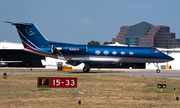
x=11, y=51
x=145, y=34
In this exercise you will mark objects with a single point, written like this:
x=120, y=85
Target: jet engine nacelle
x=73, y=49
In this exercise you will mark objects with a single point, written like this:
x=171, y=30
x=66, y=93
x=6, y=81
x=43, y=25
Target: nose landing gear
x=158, y=70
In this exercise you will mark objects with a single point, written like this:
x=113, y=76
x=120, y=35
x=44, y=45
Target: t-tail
x=30, y=35
x=33, y=40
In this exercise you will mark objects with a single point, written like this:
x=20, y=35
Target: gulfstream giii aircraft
x=91, y=55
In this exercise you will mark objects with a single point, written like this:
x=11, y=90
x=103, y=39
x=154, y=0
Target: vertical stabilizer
x=30, y=35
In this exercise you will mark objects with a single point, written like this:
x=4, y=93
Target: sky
x=80, y=21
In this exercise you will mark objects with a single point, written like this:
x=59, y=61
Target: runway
x=174, y=74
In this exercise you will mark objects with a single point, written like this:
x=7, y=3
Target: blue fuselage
x=108, y=54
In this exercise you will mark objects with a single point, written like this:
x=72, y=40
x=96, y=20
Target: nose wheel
x=158, y=70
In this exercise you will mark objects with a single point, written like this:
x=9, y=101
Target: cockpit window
x=156, y=51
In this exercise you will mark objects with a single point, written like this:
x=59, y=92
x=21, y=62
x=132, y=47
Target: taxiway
x=174, y=74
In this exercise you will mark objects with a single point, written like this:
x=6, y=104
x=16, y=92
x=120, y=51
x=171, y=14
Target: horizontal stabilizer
x=25, y=24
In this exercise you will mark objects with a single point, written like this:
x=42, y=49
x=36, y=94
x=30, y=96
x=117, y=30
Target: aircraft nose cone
x=165, y=57
x=169, y=58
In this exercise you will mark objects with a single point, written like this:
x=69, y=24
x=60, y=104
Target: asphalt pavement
x=174, y=74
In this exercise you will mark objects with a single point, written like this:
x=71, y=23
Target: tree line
x=97, y=43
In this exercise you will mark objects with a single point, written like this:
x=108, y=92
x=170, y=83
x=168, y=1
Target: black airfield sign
x=43, y=82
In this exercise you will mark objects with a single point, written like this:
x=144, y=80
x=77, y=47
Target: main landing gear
x=158, y=70
x=86, y=67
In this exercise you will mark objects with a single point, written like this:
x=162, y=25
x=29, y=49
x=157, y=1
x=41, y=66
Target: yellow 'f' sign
x=43, y=81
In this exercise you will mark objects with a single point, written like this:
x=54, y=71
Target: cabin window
x=131, y=53
x=97, y=52
x=106, y=52
x=122, y=53
x=114, y=52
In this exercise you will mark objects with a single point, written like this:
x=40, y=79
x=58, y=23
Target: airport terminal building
x=145, y=34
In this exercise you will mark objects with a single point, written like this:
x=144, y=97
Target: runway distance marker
x=56, y=82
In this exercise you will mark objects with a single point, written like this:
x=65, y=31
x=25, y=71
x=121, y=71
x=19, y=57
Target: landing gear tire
x=158, y=70
x=86, y=70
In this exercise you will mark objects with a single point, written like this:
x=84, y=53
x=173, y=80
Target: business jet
x=92, y=56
